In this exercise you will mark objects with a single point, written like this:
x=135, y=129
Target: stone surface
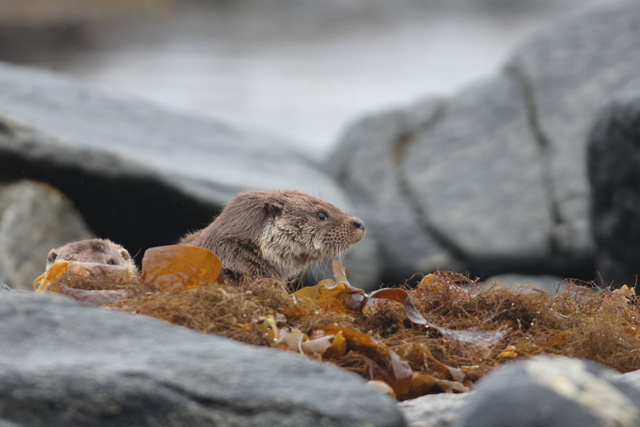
x=34, y=218
x=366, y=163
x=549, y=284
x=493, y=179
x=490, y=199
x=614, y=174
x=552, y=391
x=5, y=289
x=65, y=364
x=140, y=174
x=569, y=71
x=632, y=378
x=434, y=410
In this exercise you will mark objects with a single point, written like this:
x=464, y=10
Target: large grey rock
x=366, y=163
x=140, y=174
x=632, y=378
x=65, y=364
x=434, y=410
x=614, y=174
x=569, y=71
x=552, y=391
x=34, y=218
x=466, y=156
x=550, y=284
x=493, y=180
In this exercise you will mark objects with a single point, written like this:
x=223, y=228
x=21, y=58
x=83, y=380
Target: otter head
x=99, y=251
x=299, y=229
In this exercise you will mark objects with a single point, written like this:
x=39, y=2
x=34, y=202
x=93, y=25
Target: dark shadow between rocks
x=124, y=209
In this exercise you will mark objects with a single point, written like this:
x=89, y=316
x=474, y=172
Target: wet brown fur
x=275, y=234
x=100, y=251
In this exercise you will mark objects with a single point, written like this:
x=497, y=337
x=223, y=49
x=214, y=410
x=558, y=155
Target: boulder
x=366, y=164
x=143, y=175
x=493, y=179
x=34, y=218
x=550, y=284
x=568, y=72
x=66, y=364
x=552, y=391
x=434, y=410
x=480, y=156
x=614, y=174
x=632, y=378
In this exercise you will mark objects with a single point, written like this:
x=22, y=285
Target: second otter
x=276, y=234
x=100, y=251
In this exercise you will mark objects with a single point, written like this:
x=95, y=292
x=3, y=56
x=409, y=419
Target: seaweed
x=441, y=336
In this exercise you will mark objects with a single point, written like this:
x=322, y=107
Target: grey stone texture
x=434, y=410
x=66, y=364
x=366, y=163
x=493, y=180
x=549, y=284
x=614, y=175
x=552, y=391
x=632, y=378
x=480, y=140
x=143, y=175
x=569, y=71
x=34, y=218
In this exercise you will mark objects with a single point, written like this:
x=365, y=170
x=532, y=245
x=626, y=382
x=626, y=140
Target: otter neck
x=284, y=252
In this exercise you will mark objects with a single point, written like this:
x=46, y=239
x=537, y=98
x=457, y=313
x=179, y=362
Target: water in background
x=302, y=70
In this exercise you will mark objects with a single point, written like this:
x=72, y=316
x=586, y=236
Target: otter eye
x=322, y=216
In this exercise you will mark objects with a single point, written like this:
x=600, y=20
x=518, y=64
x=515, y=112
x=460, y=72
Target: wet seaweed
x=467, y=330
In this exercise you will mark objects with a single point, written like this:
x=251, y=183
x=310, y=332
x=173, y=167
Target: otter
x=276, y=234
x=99, y=251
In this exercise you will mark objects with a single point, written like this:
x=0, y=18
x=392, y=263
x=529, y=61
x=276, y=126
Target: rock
x=366, y=164
x=434, y=410
x=632, y=378
x=549, y=284
x=552, y=391
x=66, y=364
x=493, y=179
x=568, y=73
x=614, y=174
x=34, y=218
x=140, y=174
x=484, y=165
x=4, y=289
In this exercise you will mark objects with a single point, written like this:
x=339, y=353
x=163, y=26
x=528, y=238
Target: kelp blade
x=179, y=267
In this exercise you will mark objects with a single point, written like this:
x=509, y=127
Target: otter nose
x=357, y=223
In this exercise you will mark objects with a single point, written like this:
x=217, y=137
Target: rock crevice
x=544, y=146
x=406, y=138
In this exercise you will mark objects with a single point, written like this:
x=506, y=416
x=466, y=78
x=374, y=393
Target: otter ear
x=125, y=254
x=273, y=208
x=53, y=255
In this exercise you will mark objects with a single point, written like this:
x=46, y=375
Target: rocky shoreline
x=68, y=363
x=530, y=172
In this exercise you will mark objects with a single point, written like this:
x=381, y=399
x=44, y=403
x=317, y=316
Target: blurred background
x=300, y=69
x=460, y=131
